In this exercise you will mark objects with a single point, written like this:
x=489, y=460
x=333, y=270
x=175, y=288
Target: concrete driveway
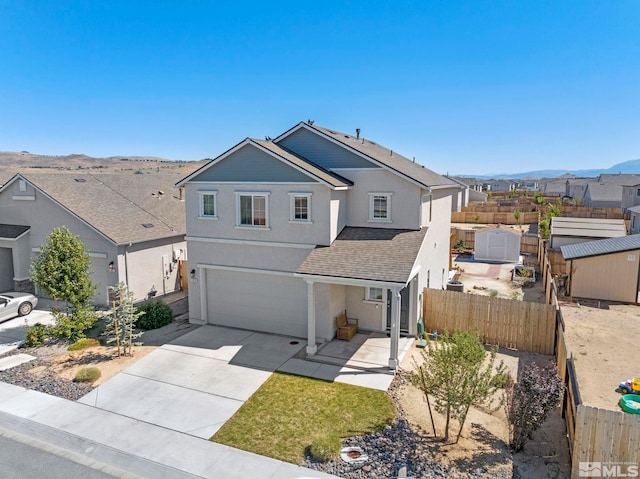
x=14, y=331
x=197, y=382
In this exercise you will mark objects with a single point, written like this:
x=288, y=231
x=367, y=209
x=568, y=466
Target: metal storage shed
x=605, y=269
x=497, y=243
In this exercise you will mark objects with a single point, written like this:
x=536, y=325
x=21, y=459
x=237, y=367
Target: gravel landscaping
x=395, y=447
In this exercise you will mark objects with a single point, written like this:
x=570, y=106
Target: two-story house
x=286, y=234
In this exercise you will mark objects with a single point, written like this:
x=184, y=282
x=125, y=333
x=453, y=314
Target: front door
x=404, y=310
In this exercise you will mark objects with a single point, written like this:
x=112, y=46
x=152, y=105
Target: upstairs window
x=300, y=209
x=208, y=204
x=253, y=209
x=380, y=207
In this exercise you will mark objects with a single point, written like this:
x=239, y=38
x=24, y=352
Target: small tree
x=120, y=327
x=538, y=198
x=61, y=271
x=529, y=402
x=61, y=268
x=455, y=373
x=517, y=215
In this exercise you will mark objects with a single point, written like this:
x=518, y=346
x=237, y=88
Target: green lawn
x=281, y=419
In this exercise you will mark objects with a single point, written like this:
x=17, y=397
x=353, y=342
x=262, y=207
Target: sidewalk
x=140, y=448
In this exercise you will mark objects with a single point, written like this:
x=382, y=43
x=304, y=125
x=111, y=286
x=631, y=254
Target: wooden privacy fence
x=495, y=218
x=510, y=324
x=608, y=437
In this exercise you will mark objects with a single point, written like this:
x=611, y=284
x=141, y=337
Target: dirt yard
x=484, y=441
x=495, y=279
x=604, y=344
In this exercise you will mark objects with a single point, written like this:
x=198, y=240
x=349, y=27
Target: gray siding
x=322, y=151
x=249, y=164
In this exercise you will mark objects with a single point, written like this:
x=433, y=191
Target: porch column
x=395, y=328
x=202, y=272
x=312, y=347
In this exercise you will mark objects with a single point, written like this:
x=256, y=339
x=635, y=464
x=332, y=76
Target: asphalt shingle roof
x=374, y=254
x=118, y=205
x=12, y=231
x=601, y=247
x=384, y=155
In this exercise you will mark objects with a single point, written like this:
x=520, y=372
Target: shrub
x=87, y=375
x=529, y=402
x=156, y=314
x=325, y=447
x=36, y=335
x=83, y=344
x=501, y=380
x=73, y=326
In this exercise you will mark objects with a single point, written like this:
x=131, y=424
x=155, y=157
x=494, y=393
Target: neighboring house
x=285, y=235
x=607, y=269
x=630, y=196
x=530, y=184
x=607, y=190
x=568, y=186
x=497, y=243
x=470, y=190
x=500, y=186
x=132, y=225
x=569, y=230
x=634, y=219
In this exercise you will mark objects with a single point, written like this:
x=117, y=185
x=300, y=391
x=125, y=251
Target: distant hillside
x=25, y=159
x=628, y=167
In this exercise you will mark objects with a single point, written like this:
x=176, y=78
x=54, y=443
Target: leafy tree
x=61, y=271
x=456, y=373
x=517, y=215
x=538, y=198
x=120, y=327
x=61, y=268
x=545, y=222
x=529, y=402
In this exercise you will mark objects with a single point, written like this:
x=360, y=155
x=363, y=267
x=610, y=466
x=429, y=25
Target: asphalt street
x=24, y=461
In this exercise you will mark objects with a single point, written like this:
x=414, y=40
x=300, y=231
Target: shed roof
x=374, y=254
x=588, y=227
x=601, y=247
x=499, y=227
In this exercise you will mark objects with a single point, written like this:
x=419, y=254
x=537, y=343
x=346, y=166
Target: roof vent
x=80, y=180
x=147, y=225
x=358, y=133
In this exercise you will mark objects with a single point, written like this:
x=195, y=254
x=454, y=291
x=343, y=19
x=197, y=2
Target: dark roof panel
x=374, y=254
x=12, y=231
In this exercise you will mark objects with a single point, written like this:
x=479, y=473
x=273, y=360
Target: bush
x=87, y=375
x=325, y=447
x=36, y=335
x=156, y=314
x=83, y=344
x=529, y=402
x=501, y=380
x=73, y=326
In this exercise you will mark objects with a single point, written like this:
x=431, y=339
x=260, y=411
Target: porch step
x=352, y=364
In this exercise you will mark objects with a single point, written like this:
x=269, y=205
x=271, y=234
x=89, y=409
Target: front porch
x=363, y=361
x=368, y=350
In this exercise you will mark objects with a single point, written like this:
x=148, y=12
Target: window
x=253, y=209
x=208, y=204
x=374, y=294
x=22, y=185
x=380, y=207
x=300, y=207
x=638, y=192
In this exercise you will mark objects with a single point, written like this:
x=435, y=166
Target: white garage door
x=259, y=302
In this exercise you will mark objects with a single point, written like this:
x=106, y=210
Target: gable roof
x=327, y=177
x=601, y=247
x=374, y=254
x=603, y=192
x=379, y=154
x=119, y=205
x=500, y=227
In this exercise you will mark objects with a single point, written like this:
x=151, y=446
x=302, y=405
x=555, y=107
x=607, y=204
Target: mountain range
x=628, y=167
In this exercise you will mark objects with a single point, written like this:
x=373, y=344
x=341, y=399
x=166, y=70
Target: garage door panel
x=260, y=302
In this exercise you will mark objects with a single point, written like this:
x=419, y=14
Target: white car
x=16, y=304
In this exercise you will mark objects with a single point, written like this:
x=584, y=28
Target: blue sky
x=465, y=87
